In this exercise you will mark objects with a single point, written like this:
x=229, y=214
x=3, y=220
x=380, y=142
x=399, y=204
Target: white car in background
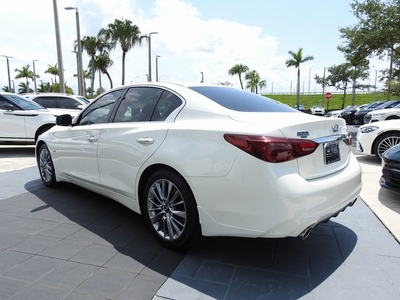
x=334, y=113
x=317, y=110
x=205, y=158
x=22, y=120
x=383, y=114
x=375, y=138
x=58, y=100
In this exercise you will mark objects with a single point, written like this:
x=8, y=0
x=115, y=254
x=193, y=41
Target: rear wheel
x=170, y=209
x=385, y=142
x=46, y=167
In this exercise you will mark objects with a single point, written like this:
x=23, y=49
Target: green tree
x=27, y=74
x=103, y=62
x=53, y=70
x=295, y=61
x=254, y=81
x=6, y=88
x=24, y=88
x=238, y=69
x=92, y=44
x=124, y=33
x=44, y=87
x=377, y=30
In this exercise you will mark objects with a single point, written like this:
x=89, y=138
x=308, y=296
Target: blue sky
x=194, y=36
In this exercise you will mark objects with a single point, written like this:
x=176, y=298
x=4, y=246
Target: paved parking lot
x=68, y=243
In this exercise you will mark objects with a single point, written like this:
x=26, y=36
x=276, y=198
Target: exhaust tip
x=306, y=232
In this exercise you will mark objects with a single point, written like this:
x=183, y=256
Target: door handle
x=145, y=140
x=91, y=139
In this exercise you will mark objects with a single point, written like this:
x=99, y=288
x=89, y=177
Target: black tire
x=46, y=167
x=169, y=209
x=385, y=142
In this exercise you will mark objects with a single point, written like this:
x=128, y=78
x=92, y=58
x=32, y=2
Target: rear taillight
x=272, y=149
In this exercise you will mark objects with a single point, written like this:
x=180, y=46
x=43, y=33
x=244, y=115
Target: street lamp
x=148, y=37
x=8, y=71
x=157, y=56
x=34, y=74
x=202, y=77
x=79, y=54
x=59, y=51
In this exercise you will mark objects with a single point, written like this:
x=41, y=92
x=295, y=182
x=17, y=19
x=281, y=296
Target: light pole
x=148, y=37
x=8, y=71
x=323, y=88
x=79, y=54
x=376, y=76
x=59, y=51
x=157, y=56
x=34, y=74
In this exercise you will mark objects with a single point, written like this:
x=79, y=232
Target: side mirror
x=7, y=107
x=64, y=120
x=80, y=106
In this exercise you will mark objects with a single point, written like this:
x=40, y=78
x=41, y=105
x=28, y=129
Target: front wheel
x=385, y=142
x=46, y=166
x=170, y=209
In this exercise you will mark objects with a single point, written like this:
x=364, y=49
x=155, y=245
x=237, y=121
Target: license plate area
x=331, y=152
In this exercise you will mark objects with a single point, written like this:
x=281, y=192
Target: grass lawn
x=333, y=104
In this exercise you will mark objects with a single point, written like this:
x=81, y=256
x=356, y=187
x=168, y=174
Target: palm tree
x=238, y=69
x=91, y=44
x=24, y=88
x=121, y=32
x=44, y=87
x=295, y=61
x=25, y=73
x=254, y=81
x=6, y=88
x=53, y=70
x=103, y=62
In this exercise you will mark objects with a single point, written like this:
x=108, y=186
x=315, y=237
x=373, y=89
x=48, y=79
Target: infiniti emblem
x=335, y=128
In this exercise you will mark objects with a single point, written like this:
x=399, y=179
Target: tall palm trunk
x=298, y=87
x=123, y=67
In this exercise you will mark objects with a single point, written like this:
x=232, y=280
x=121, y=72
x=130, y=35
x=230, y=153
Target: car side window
x=49, y=102
x=67, y=103
x=167, y=104
x=99, y=111
x=139, y=105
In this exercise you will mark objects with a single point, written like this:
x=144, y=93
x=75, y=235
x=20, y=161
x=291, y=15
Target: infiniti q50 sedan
x=205, y=158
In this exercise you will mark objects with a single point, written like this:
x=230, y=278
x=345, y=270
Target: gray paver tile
x=80, y=296
x=130, y=260
x=216, y=272
x=141, y=288
x=9, y=259
x=392, y=267
x=37, y=292
x=95, y=254
x=9, y=239
x=62, y=230
x=32, y=268
x=67, y=275
x=35, y=244
x=99, y=283
x=65, y=249
x=9, y=287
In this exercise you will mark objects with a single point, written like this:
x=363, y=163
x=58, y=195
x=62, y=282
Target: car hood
x=389, y=124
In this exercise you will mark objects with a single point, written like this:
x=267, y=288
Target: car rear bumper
x=273, y=205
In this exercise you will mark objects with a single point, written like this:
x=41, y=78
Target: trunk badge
x=303, y=134
x=335, y=128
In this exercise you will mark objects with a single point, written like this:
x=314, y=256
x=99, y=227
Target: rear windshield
x=241, y=100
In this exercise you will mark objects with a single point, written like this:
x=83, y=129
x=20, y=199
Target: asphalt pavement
x=69, y=243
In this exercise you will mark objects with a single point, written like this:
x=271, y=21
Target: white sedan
x=204, y=158
x=317, y=110
x=375, y=138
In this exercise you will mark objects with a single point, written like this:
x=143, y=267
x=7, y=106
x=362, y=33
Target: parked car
x=300, y=107
x=376, y=138
x=360, y=114
x=22, y=120
x=241, y=163
x=317, y=110
x=348, y=113
x=383, y=114
x=391, y=169
x=334, y=113
x=59, y=100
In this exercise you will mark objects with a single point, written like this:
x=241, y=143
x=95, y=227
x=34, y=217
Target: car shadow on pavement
x=17, y=151
x=94, y=230
x=369, y=160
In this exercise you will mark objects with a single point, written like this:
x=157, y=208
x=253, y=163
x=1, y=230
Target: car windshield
x=83, y=99
x=239, y=100
x=23, y=103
